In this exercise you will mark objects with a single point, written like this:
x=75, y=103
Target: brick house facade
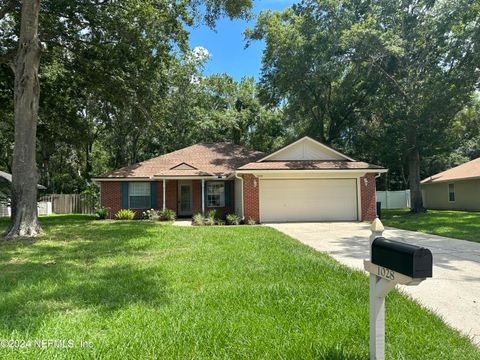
x=368, y=197
x=318, y=181
x=251, y=197
x=111, y=197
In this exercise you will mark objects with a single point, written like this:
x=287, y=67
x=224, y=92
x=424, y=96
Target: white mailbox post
x=393, y=257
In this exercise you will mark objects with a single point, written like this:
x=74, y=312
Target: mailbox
x=410, y=260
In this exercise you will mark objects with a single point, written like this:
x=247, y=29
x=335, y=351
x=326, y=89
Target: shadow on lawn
x=103, y=272
x=50, y=225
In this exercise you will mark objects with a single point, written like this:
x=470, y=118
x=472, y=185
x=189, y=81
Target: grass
x=463, y=225
x=144, y=290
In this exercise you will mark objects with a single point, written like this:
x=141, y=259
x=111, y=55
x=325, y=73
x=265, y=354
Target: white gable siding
x=306, y=150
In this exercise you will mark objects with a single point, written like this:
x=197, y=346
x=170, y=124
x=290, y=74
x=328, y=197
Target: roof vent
x=183, y=166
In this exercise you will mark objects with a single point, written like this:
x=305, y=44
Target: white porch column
x=203, y=195
x=164, y=192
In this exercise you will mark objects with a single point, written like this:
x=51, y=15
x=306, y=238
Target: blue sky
x=227, y=46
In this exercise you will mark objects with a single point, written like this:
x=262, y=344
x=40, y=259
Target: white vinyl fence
x=44, y=208
x=394, y=199
x=4, y=210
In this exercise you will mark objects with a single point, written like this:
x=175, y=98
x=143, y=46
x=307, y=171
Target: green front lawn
x=455, y=224
x=146, y=290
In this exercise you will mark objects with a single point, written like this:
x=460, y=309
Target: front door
x=184, y=198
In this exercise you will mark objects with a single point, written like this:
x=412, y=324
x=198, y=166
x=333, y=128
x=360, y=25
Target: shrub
x=151, y=214
x=213, y=214
x=101, y=212
x=220, y=222
x=168, y=215
x=209, y=221
x=233, y=219
x=198, y=219
x=125, y=214
x=91, y=195
x=251, y=221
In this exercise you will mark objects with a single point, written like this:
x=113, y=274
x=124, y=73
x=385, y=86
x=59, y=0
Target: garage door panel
x=308, y=200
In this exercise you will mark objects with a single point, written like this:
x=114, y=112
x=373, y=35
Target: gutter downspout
x=203, y=196
x=241, y=194
x=164, y=194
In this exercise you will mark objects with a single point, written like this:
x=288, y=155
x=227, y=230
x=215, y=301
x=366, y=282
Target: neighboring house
x=457, y=188
x=6, y=183
x=5, y=189
x=304, y=181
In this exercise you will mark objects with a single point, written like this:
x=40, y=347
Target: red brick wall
x=111, y=196
x=251, y=197
x=368, y=198
x=171, y=195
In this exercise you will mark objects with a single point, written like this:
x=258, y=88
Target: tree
x=306, y=68
x=214, y=108
x=467, y=124
x=400, y=69
x=464, y=138
x=104, y=33
x=26, y=99
x=6, y=118
x=425, y=55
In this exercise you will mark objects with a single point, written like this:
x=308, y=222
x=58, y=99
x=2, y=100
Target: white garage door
x=308, y=200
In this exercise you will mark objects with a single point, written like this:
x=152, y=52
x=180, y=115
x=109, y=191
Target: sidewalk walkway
x=183, y=222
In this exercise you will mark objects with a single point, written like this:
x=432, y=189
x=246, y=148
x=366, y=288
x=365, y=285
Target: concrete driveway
x=454, y=290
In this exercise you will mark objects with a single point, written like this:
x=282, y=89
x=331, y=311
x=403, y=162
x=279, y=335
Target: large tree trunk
x=24, y=218
x=414, y=180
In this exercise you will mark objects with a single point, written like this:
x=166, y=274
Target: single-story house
x=304, y=181
x=5, y=190
x=6, y=180
x=457, y=188
x=6, y=184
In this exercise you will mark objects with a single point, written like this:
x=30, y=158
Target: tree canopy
x=389, y=82
x=107, y=63
x=383, y=79
x=106, y=71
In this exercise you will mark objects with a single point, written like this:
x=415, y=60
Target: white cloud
x=201, y=53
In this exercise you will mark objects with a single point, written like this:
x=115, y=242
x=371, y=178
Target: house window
x=451, y=192
x=215, y=194
x=139, y=195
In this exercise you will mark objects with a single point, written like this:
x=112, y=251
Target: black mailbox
x=413, y=261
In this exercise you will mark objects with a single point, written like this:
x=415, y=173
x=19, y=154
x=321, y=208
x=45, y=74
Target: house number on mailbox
x=385, y=273
x=391, y=262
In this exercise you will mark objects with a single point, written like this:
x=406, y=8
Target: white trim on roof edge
x=121, y=179
x=429, y=181
x=303, y=139
x=156, y=178
x=309, y=171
